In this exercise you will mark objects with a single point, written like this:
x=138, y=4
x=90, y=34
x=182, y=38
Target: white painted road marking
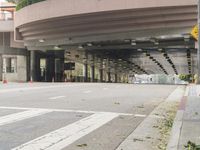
x=187, y=91
x=62, y=137
x=86, y=92
x=33, y=88
x=57, y=97
x=140, y=115
x=21, y=116
x=192, y=91
x=63, y=110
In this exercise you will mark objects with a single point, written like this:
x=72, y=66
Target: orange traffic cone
x=4, y=80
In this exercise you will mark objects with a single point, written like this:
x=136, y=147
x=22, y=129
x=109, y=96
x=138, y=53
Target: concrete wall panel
x=7, y=26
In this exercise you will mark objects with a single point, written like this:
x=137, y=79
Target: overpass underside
x=153, y=40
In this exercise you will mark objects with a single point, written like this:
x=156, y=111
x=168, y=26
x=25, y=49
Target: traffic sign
x=194, y=32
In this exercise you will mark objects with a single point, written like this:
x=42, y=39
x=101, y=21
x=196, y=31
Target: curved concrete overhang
x=76, y=21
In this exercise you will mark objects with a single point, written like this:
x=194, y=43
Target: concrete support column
x=50, y=69
x=198, y=50
x=58, y=70
x=1, y=67
x=108, y=72
x=101, y=70
x=62, y=69
x=85, y=72
x=33, y=73
x=120, y=78
x=93, y=73
x=101, y=74
x=28, y=66
x=116, y=78
x=109, y=76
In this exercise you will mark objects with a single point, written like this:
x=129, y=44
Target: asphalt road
x=73, y=116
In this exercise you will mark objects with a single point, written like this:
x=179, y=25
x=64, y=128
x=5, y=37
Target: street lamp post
x=198, y=50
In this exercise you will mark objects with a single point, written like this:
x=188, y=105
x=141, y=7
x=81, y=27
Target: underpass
x=110, y=43
x=107, y=43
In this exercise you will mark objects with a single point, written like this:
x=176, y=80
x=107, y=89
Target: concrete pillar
x=101, y=70
x=33, y=73
x=108, y=73
x=198, y=50
x=101, y=74
x=85, y=72
x=62, y=69
x=120, y=78
x=116, y=78
x=93, y=73
x=28, y=66
x=1, y=67
x=109, y=76
x=58, y=70
x=50, y=69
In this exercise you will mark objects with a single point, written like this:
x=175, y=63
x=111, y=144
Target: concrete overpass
x=132, y=36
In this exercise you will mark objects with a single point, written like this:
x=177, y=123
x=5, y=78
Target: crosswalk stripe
x=62, y=137
x=33, y=88
x=87, y=92
x=21, y=116
x=63, y=110
x=57, y=97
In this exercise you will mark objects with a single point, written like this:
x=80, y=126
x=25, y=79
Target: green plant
x=23, y=3
x=185, y=77
x=13, y=1
x=192, y=146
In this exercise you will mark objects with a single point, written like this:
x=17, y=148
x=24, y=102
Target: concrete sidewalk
x=152, y=134
x=187, y=122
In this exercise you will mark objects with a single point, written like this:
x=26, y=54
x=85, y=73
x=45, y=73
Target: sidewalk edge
x=177, y=125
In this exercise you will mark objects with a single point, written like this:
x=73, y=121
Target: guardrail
x=24, y=3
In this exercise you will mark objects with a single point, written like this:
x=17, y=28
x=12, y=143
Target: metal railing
x=24, y=3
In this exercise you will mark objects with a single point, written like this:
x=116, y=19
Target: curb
x=178, y=122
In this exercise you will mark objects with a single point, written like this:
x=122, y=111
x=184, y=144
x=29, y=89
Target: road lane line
x=57, y=97
x=64, y=110
x=140, y=115
x=65, y=136
x=86, y=92
x=156, y=116
x=33, y=88
x=21, y=116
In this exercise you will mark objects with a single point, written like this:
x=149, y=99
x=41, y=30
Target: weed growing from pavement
x=192, y=146
x=166, y=126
